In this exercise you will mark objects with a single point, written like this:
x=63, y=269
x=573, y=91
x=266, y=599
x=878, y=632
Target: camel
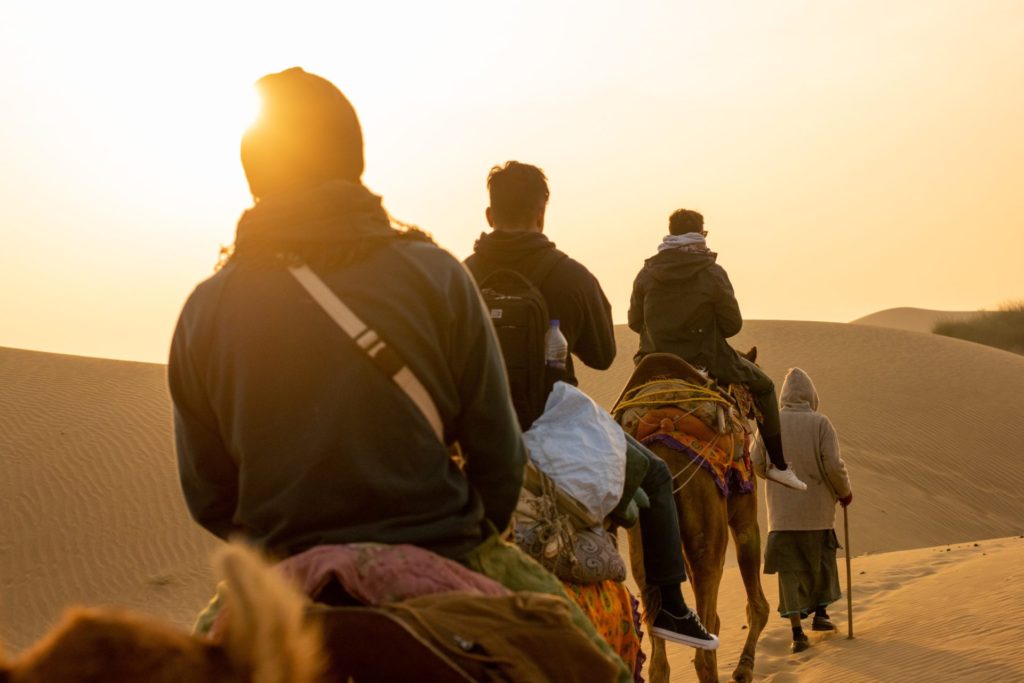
x=268, y=639
x=705, y=518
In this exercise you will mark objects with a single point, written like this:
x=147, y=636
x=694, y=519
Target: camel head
x=267, y=639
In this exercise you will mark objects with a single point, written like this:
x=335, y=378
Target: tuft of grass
x=1002, y=328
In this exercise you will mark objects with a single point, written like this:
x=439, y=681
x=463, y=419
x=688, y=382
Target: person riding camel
x=321, y=375
x=518, y=202
x=278, y=416
x=683, y=303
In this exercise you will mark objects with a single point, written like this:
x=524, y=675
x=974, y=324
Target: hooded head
x=307, y=134
x=798, y=390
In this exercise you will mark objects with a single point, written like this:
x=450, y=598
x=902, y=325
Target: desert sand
x=90, y=508
x=931, y=429
x=944, y=614
x=911, y=319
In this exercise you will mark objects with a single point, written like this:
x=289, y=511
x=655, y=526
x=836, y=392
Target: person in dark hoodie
x=287, y=433
x=519, y=197
x=683, y=303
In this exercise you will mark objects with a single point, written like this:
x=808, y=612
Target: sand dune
x=911, y=319
x=90, y=509
x=91, y=512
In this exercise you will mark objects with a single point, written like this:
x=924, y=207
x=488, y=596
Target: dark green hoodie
x=288, y=434
x=683, y=303
x=573, y=295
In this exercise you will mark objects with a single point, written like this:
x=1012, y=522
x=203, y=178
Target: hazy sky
x=847, y=156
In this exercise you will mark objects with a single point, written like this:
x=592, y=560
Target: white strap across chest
x=371, y=343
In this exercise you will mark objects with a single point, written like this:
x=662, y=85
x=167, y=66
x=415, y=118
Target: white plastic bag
x=578, y=444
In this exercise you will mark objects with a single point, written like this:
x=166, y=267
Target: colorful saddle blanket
x=616, y=616
x=685, y=411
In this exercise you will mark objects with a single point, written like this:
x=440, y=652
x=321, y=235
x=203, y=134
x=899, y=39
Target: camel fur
x=267, y=641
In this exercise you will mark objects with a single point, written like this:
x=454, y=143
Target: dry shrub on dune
x=1003, y=329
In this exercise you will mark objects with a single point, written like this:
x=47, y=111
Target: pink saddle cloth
x=377, y=574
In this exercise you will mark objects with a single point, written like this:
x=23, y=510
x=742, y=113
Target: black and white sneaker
x=686, y=630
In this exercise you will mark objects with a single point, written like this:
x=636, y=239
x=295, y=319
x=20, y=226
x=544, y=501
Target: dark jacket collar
x=676, y=264
x=506, y=246
x=303, y=222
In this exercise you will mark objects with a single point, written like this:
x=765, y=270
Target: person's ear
x=490, y=216
x=540, y=218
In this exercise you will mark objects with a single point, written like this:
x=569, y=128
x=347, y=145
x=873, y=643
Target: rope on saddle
x=680, y=392
x=690, y=398
x=675, y=420
x=695, y=464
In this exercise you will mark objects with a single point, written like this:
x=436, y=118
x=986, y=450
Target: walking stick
x=849, y=574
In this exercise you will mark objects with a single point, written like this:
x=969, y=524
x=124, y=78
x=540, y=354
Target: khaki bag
x=520, y=637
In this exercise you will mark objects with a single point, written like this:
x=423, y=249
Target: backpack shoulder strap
x=536, y=274
x=372, y=344
x=539, y=273
x=482, y=268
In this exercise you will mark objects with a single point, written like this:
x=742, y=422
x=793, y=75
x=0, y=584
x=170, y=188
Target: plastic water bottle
x=556, y=348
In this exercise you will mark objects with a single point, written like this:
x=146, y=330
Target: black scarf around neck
x=316, y=223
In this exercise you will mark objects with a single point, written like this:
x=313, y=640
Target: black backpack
x=520, y=317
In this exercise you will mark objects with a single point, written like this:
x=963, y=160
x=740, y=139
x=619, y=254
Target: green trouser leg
x=762, y=389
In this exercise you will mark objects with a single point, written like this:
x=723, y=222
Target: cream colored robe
x=812, y=449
